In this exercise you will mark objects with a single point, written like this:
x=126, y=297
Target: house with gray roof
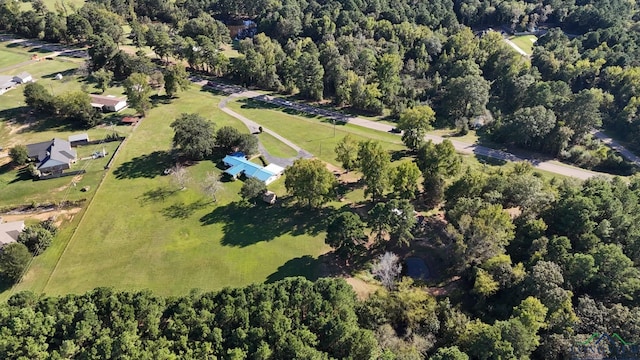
x=9, y=232
x=23, y=78
x=6, y=83
x=52, y=156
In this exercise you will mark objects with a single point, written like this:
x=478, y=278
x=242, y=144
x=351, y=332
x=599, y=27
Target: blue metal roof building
x=238, y=165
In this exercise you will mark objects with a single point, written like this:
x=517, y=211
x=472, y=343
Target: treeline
x=290, y=319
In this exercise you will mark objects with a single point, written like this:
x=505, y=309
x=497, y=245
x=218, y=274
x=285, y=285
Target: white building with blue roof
x=239, y=165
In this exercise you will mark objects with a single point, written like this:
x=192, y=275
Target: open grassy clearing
x=140, y=232
x=276, y=147
x=12, y=54
x=314, y=134
x=524, y=42
x=51, y=4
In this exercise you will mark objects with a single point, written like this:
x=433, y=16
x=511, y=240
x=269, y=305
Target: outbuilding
x=79, y=139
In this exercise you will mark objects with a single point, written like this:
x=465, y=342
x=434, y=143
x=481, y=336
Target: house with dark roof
x=9, y=232
x=52, y=157
x=108, y=103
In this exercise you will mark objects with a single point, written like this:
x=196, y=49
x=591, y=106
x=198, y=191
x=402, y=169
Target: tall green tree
x=309, y=76
x=252, y=188
x=14, y=259
x=194, y=136
x=415, y=122
x=36, y=238
x=439, y=159
x=103, y=78
x=347, y=152
x=346, y=234
x=39, y=98
x=175, y=79
x=310, y=182
x=466, y=97
x=19, y=154
x=76, y=106
x=404, y=180
x=374, y=162
x=138, y=91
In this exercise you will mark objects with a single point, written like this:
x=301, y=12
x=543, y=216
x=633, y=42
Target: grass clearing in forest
x=524, y=42
x=142, y=232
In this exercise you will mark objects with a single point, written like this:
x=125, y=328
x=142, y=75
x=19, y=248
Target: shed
x=79, y=139
x=269, y=197
x=131, y=120
x=23, y=78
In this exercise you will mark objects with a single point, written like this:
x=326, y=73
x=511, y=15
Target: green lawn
x=11, y=55
x=524, y=42
x=314, y=134
x=139, y=232
x=51, y=4
x=276, y=147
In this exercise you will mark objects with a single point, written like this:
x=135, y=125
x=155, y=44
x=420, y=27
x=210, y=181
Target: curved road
x=461, y=147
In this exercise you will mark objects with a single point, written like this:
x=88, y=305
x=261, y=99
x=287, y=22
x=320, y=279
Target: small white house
x=58, y=76
x=23, y=78
x=108, y=103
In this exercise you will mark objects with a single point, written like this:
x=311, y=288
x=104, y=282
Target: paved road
x=631, y=157
x=461, y=147
x=254, y=127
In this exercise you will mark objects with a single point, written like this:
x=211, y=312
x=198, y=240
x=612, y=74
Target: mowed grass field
x=525, y=42
x=314, y=134
x=10, y=55
x=140, y=231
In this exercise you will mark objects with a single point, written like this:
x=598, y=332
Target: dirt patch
x=60, y=216
x=361, y=288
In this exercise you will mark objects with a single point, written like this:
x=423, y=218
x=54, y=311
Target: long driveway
x=461, y=147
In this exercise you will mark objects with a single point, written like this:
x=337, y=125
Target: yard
x=314, y=134
x=141, y=232
x=524, y=42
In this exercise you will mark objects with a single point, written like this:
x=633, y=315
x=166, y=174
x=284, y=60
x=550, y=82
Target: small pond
x=416, y=268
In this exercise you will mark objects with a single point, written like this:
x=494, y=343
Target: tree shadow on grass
x=159, y=194
x=145, y=166
x=182, y=210
x=256, y=104
x=65, y=73
x=245, y=225
x=306, y=266
x=23, y=174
